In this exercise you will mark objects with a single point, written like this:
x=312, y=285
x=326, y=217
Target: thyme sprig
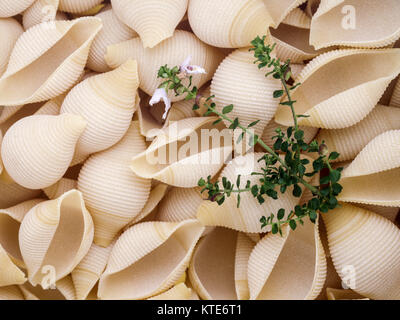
x=277, y=173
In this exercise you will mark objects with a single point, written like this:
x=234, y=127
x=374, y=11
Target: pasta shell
x=55, y=233
x=333, y=16
x=244, y=247
x=279, y=9
x=252, y=96
x=212, y=269
x=9, y=8
x=350, y=141
x=365, y=249
x=107, y=102
x=183, y=168
x=342, y=294
x=51, y=107
x=40, y=11
x=63, y=290
x=327, y=103
x=10, y=274
x=30, y=69
x=24, y=111
x=10, y=30
x=312, y=7
x=230, y=23
x=7, y=112
x=113, y=194
x=395, y=99
x=389, y=213
x=11, y=293
x=78, y=6
x=88, y=271
x=36, y=140
x=114, y=31
x=60, y=187
x=372, y=178
x=178, y=292
x=153, y=20
x=246, y=218
x=273, y=271
x=12, y=194
x=172, y=51
x=148, y=259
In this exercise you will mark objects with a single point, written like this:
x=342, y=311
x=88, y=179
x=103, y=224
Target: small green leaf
x=275, y=228
x=297, y=191
x=334, y=155
x=238, y=181
x=227, y=109
x=281, y=214
x=201, y=183
x=216, y=122
x=334, y=176
x=240, y=138
x=195, y=107
x=278, y=93
x=238, y=200
x=254, y=190
x=337, y=188
x=293, y=224
x=299, y=135
x=235, y=124
x=253, y=124
x=260, y=199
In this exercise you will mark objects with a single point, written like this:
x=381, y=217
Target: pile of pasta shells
x=79, y=196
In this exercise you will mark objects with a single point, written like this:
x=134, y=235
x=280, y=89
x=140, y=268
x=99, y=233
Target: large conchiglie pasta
x=40, y=11
x=148, y=259
x=9, y=8
x=229, y=23
x=365, y=249
x=10, y=31
x=113, y=31
x=172, y=52
x=348, y=23
x=47, y=60
x=244, y=247
x=113, y=194
x=54, y=237
x=274, y=265
x=153, y=20
x=252, y=96
x=333, y=99
x=107, y=102
x=37, y=140
x=78, y=6
x=12, y=194
x=184, y=152
x=373, y=176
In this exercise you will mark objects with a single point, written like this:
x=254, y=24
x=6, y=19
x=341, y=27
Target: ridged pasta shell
x=252, y=96
x=12, y=194
x=60, y=187
x=212, y=269
x=113, y=194
x=395, y=98
x=148, y=259
x=350, y=141
x=88, y=271
x=280, y=9
x=40, y=11
x=244, y=247
x=343, y=294
x=365, y=249
x=56, y=233
x=10, y=30
x=372, y=177
x=333, y=16
x=333, y=106
x=9, y=8
x=78, y=6
x=11, y=293
x=246, y=218
x=36, y=140
x=153, y=20
x=47, y=60
x=389, y=213
x=107, y=102
x=51, y=107
x=7, y=112
x=274, y=272
x=172, y=51
x=228, y=23
x=178, y=292
x=24, y=111
x=114, y=31
x=182, y=168
x=312, y=7
x=10, y=274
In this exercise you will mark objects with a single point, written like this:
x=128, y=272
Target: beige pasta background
x=99, y=185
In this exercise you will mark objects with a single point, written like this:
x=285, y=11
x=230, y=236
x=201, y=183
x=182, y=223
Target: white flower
x=161, y=94
x=191, y=69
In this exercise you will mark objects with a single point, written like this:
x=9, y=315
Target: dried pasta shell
x=35, y=140
x=389, y=213
x=153, y=20
x=183, y=168
x=279, y=10
x=9, y=8
x=332, y=23
x=273, y=271
x=56, y=233
x=148, y=259
x=10, y=31
x=395, y=98
x=12, y=194
x=312, y=7
x=178, y=292
x=51, y=107
x=78, y=6
x=10, y=274
x=114, y=31
x=212, y=269
x=88, y=271
x=341, y=100
x=368, y=264
x=244, y=247
x=343, y=294
x=107, y=102
x=11, y=293
x=47, y=60
x=25, y=111
x=113, y=194
x=172, y=51
x=60, y=187
x=230, y=23
x=350, y=141
x=40, y=11
x=7, y=112
x=372, y=177
x=252, y=96
x=246, y=218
